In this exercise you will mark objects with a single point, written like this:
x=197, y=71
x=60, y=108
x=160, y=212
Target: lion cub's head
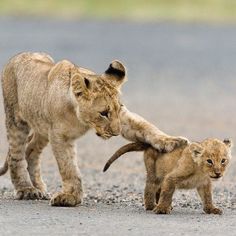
x=212, y=155
x=96, y=98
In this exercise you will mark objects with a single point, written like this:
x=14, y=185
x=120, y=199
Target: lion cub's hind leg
x=18, y=131
x=151, y=184
x=35, y=145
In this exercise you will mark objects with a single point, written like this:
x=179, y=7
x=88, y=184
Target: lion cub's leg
x=205, y=192
x=151, y=184
x=65, y=153
x=165, y=200
x=18, y=131
x=32, y=154
x=135, y=128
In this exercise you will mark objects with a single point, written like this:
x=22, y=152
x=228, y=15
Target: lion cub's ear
x=116, y=72
x=80, y=85
x=196, y=151
x=228, y=143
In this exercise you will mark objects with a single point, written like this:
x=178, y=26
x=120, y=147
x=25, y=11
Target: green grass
x=181, y=10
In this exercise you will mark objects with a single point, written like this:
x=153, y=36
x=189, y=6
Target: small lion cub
x=190, y=166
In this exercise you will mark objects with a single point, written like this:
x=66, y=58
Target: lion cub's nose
x=217, y=174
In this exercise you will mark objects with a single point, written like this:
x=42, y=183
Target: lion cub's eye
x=209, y=161
x=78, y=94
x=104, y=113
x=223, y=161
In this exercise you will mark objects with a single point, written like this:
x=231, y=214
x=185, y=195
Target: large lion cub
x=190, y=166
x=57, y=103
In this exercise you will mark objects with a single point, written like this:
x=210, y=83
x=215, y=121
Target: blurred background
x=181, y=61
x=138, y=10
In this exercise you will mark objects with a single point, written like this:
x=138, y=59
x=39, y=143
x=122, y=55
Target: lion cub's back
x=24, y=82
x=24, y=68
x=166, y=162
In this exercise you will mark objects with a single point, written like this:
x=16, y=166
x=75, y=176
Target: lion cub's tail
x=126, y=148
x=4, y=168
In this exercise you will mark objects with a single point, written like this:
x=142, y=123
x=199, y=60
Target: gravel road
x=181, y=78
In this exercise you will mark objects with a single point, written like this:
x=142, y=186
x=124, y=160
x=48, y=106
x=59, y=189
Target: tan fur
x=186, y=167
x=58, y=103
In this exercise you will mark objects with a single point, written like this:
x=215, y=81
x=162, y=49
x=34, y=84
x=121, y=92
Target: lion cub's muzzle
x=216, y=176
x=108, y=132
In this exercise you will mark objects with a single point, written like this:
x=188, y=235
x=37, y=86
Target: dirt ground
x=181, y=78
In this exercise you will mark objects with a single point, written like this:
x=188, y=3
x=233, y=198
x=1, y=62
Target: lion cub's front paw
x=65, y=199
x=213, y=210
x=149, y=206
x=46, y=196
x=158, y=209
x=30, y=193
x=182, y=140
x=173, y=142
x=168, y=144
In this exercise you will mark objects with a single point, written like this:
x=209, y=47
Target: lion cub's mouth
x=216, y=177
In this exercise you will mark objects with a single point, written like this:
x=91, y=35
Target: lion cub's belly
x=39, y=127
x=191, y=182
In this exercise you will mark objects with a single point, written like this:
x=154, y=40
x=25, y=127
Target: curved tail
x=126, y=148
x=4, y=168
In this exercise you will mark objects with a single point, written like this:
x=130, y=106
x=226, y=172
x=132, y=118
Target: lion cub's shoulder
x=61, y=69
